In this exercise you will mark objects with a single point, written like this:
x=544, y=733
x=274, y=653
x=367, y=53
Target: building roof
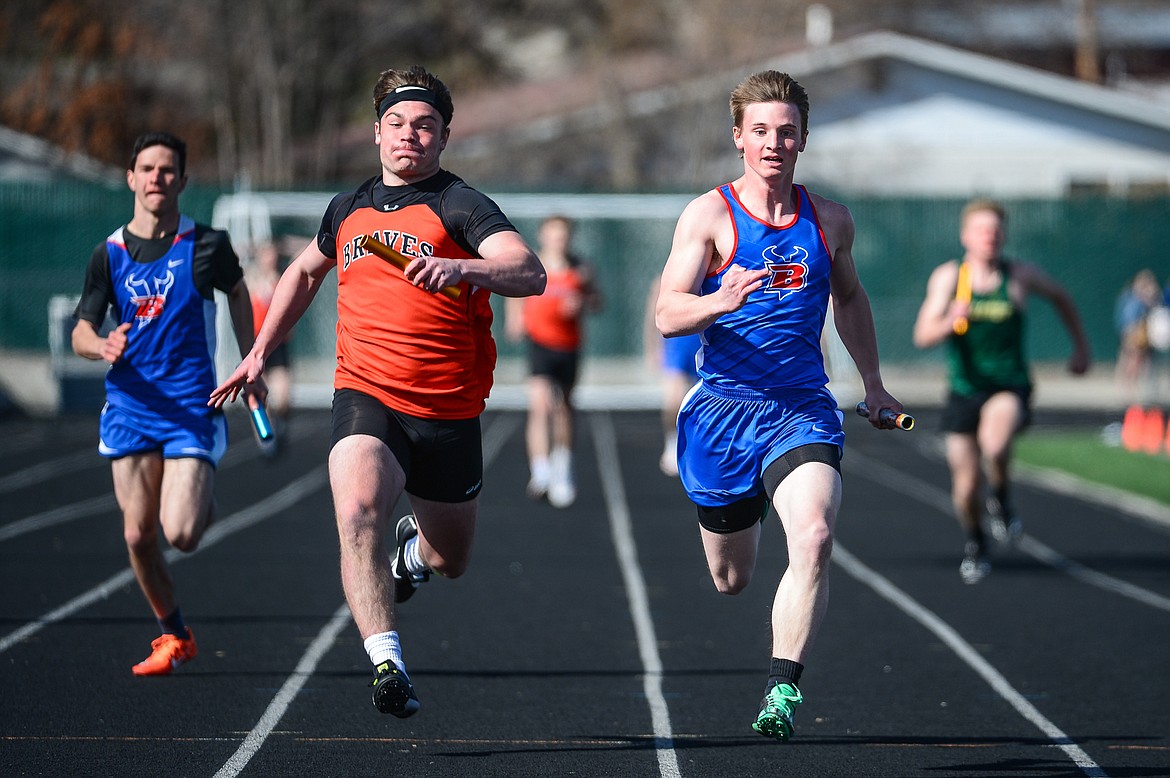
x=898, y=82
x=29, y=158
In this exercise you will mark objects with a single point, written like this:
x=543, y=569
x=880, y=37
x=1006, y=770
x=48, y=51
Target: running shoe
x=776, y=711
x=537, y=487
x=405, y=582
x=975, y=565
x=166, y=653
x=562, y=491
x=393, y=692
x=1005, y=525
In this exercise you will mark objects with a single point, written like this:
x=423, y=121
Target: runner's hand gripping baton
x=902, y=421
x=398, y=259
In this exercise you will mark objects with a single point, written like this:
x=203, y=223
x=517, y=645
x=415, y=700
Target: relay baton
x=963, y=295
x=398, y=259
x=902, y=421
x=261, y=424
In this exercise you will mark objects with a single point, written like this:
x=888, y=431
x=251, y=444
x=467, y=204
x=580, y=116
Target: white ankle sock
x=384, y=647
x=414, y=560
x=539, y=468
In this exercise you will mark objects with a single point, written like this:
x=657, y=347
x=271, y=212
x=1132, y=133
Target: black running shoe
x=405, y=582
x=1005, y=525
x=393, y=692
x=975, y=566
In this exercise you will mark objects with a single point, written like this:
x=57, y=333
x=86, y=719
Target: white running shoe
x=562, y=491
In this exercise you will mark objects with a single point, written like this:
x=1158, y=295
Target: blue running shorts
x=192, y=432
x=728, y=437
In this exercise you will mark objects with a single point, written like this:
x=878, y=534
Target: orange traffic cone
x=1132, y=427
x=1153, y=435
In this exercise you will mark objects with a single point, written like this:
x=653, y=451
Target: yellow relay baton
x=398, y=259
x=963, y=295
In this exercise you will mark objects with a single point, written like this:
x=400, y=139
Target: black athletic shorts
x=744, y=513
x=442, y=458
x=961, y=412
x=558, y=366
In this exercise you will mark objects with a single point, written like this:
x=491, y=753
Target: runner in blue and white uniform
x=156, y=276
x=753, y=266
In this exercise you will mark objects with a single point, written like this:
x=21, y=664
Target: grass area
x=1085, y=455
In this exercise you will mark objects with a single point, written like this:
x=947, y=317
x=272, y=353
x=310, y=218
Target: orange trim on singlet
x=796, y=217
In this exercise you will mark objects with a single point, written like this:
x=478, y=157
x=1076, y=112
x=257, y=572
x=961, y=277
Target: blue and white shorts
x=189, y=432
x=727, y=438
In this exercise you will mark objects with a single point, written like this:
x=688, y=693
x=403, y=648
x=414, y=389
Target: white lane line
x=928, y=494
x=288, y=692
x=43, y=471
x=969, y=655
x=78, y=510
x=103, y=503
x=254, y=514
x=635, y=585
x=495, y=435
x=1092, y=577
x=1109, y=497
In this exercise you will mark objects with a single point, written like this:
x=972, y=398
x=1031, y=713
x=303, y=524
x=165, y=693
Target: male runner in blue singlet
x=158, y=274
x=752, y=267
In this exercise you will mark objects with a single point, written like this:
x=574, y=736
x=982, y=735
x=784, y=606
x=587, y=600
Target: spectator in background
x=262, y=274
x=1130, y=317
x=552, y=325
x=674, y=360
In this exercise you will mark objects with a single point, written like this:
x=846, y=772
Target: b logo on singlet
x=150, y=296
x=789, y=273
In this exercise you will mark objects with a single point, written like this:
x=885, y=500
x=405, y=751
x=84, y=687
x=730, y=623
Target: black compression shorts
x=442, y=458
x=744, y=513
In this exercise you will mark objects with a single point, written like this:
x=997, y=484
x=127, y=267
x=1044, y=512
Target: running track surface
x=587, y=641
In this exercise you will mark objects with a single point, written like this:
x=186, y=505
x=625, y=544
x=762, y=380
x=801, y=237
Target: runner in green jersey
x=976, y=306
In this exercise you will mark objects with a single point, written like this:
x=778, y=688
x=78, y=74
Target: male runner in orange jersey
x=413, y=366
x=553, y=325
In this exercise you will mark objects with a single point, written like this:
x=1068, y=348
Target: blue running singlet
x=773, y=341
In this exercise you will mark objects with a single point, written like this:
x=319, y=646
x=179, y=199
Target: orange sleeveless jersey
x=419, y=353
x=545, y=321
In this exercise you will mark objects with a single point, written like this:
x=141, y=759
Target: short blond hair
x=981, y=205
x=769, y=86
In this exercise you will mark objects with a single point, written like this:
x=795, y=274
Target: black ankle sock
x=173, y=624
x=977, y=539
x=784, y=671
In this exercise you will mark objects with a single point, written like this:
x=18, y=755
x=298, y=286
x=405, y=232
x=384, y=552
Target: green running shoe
x=776, y=711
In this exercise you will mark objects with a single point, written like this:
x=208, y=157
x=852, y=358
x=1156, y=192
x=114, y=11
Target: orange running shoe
x=166, y=653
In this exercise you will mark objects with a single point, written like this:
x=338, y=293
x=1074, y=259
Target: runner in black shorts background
x=976, y=306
